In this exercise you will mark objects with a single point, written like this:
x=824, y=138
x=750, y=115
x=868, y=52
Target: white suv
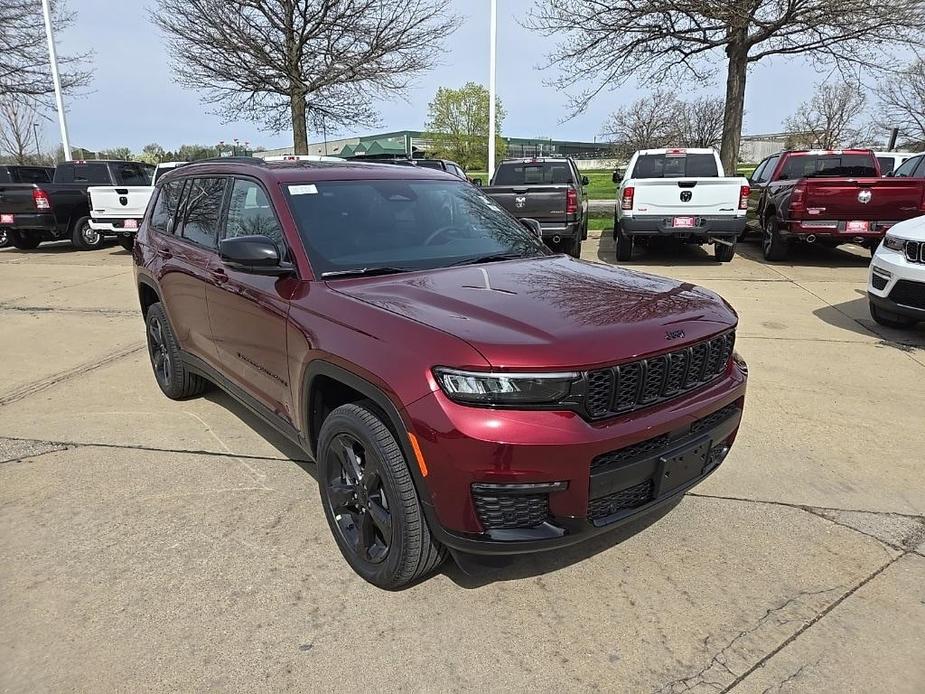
x=896, y=288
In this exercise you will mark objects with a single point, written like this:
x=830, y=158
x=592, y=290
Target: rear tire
x=172, y=376
x=889, y=320
x=775, y=247
x=127, y=242
x=573, y=247
x=4, y=238
x=24, y=242
x=623, y=243
x=723, y=253
x=370, y=501
x=84, y=238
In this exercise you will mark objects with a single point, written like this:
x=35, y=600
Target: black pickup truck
x=23, y=174
x=35, y=212
x=549, y=190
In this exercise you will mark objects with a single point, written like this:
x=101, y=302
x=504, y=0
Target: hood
x=551, y=312
x=911, y=229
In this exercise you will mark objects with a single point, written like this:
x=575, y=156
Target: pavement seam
x=806, y=507
x=76, y=284
x=56, y=449
x=80, y=369
x=811, y=623
x=63, y=309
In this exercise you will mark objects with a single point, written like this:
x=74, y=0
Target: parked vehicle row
x=423, y=345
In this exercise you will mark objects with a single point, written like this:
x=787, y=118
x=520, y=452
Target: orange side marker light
x=415, y=446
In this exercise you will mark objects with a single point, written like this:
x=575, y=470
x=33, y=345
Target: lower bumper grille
x=909, y=293
x=632, y=497
x=878, y=281
x=509, y=512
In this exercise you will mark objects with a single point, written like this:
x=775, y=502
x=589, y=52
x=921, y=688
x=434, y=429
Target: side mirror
x=585, y=181
x=617, y=175
x=476, y=182
x=533, y=226
x=257, y=255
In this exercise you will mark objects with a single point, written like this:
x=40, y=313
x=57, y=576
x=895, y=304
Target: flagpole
x=491, y=88
x=56, y=79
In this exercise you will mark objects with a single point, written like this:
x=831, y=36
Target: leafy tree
x=604, y=44
x=120, y=153
x=902, y=103
x=302, y=63
x=153, y=154
x=830, y=119
x=457, y=126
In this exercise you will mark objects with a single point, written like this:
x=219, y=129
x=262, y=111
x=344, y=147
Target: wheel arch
x=148, y=295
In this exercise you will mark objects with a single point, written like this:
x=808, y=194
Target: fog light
x=880, y=271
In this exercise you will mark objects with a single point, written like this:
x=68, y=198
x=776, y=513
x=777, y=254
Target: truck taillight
x=797, y=201
x=627, y=202
x=743, y=197
x=571, y=201
x=40, y=198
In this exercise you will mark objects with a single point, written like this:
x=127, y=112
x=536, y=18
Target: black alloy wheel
x=160, y=355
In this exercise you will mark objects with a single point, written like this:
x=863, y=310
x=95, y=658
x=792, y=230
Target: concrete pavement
x=148, y=544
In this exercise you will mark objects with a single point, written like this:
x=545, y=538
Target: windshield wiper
x=365, y=272
x=494, y=257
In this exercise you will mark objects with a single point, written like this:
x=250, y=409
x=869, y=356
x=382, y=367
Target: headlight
x=483, y=388
x=894, y=243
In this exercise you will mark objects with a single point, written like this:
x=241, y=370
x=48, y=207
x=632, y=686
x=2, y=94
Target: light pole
x=491, y=87
x=56, y=79
x=38, y=147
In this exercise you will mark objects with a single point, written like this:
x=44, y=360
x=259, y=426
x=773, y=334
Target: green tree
x=457, y=126
x=120, y=153
x=153, y=154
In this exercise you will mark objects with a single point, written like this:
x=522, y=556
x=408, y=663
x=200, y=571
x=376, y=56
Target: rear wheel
x=370, y=502
x=890, y=320
x=24, y=242
x=173, y=378
x=624, y=243
x=127, y=242
x=83, y=237
x=573, y=247
x=4, y=238
x=724, y=253
x=775, y=247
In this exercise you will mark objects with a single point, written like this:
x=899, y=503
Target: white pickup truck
x=679, y=193
x=118, y=211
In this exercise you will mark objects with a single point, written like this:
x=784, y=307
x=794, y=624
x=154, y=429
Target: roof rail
x=230, y=160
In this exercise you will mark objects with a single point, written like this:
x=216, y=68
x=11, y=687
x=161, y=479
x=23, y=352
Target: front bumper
x=596, y=476
x=896, y=284
x=660, y=225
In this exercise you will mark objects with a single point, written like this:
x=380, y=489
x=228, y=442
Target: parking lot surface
x=147, y=544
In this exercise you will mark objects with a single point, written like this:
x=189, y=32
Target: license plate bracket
x=684, y=222
x=683, y=465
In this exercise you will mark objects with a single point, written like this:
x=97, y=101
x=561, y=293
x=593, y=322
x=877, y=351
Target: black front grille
x=631, y=497
x=915, y=251
x=711, y=420
x=878, y=281
x=507, y=512
x=631, y=386
x=909, y=293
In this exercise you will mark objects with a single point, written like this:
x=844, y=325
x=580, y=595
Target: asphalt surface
x=152, y=545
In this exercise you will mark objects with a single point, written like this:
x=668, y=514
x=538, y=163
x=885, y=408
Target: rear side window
x=907, y=168
x=33, y=174
x=201, y=210
x=549, y=173
x=250, y=213
x=132, y=175
x=94, y=173
x=165, y=209
x=828, y=166
x=675, y=166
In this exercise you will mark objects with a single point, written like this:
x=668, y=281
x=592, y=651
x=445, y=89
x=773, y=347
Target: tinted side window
x=920, y=172
x=759, y=171
x=165, y=209
x=769, y=169
x=132, y=175
x=250, y=213
x=91, y=173
x=201, y=210
x=907, y=168
x=34, y=175
x=886, y=165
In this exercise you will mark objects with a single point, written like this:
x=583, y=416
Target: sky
x=133, y=99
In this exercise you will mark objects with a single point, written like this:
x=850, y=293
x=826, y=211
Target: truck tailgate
x=874, y=199
x=115, y=202
x=542, y=203
x=685, y=196
x=16, y=198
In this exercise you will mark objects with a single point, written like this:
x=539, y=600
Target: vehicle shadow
x=62, y=248
x=662, y=252
x=807, y=255
x=860, y=322
x=471, y=571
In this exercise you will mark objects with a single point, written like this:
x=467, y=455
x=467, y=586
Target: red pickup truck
x=829, y=197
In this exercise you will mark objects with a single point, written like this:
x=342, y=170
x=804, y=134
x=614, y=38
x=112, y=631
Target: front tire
x=172, y=376
x=83, y=237
x=775, y=247
x=889, y=320
x=24, y=242
x=370, y=501
x=724, y=253
x=623, y=243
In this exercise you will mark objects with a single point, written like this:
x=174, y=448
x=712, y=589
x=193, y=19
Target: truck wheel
x=83, y=237
x=127, y=242
x=573, y=247
x=624, y=244
x=775, y=247
x=175, y=381
x=890, y=320
x=723, y=253
x=370, y=502
x=24, y=242
x=4, y=238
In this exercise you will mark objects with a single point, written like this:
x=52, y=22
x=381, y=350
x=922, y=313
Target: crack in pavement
x=65, y=309
x=793, y=676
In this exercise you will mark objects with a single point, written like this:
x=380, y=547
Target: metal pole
x=53, y=61
x=491, y=87
x=38, y=147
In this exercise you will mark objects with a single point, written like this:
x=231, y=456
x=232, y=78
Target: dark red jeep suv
x=459, y=386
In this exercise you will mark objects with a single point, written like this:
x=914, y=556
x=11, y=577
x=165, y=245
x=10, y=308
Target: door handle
x=164, y=253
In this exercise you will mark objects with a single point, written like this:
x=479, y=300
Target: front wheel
x=890, y=320
x=774, y=245
x=85, y=238
x=370, y=501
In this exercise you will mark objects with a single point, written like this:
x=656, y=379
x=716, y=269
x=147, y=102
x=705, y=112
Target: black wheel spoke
x=366, y=536
x=382, y=520
x=341, y=494
x=348, y=459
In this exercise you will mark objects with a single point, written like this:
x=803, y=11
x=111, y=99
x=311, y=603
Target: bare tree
x=24, y=69
x=304, y=63
x=662, y=41
x=646, y=123
x=831, y=118
x=902, y=103
x=699, y=123
x=17, y=134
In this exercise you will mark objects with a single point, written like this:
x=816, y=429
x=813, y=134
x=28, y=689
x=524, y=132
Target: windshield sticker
x=308, y=189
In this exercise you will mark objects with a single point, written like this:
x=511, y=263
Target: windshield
x=403, y=224
x=829, y=165
x=675, y=166
x=516, y=174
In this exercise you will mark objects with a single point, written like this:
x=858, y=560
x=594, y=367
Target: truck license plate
x=7, y=219
x=683, y=222
x=130, y=224
x=857, y=227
